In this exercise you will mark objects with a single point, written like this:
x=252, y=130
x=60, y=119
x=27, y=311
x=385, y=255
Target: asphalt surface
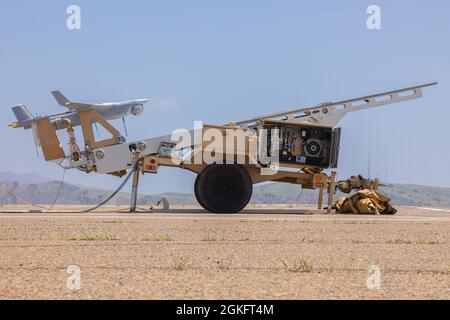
x=263, y=253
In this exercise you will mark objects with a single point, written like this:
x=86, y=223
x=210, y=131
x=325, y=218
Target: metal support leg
x=134, y=187
x=320, y=202
x=331, y=191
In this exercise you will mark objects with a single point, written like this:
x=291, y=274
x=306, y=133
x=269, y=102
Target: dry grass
x=299, y=265
x=399, y=241
x=89, y=237
x=266, y=220
x=164, y=238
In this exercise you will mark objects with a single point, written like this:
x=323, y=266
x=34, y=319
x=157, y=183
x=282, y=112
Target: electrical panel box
x=320, y=180
x=150, y=164
x=304, y=144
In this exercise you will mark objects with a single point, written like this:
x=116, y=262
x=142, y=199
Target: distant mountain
x=46, y=192
x=401, y=194
x=39, y=190
x=415, y=195
x=277, y=193
x=23, y=178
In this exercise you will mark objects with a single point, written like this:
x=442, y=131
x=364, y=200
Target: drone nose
x=143, y=101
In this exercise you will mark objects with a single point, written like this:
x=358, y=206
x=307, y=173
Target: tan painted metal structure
x=87, y=118
x=51, y=147
x=114, y=156
x=309, y=177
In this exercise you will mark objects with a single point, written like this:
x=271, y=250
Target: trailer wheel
x=196, y=192
x=223, y=188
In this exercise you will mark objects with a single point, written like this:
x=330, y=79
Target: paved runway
x=261, y=253
x=410, y=214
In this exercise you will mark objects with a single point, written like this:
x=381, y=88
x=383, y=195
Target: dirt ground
x=268, y=253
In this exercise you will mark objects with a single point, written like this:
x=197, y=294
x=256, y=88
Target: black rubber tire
x=196, y=192
x=223, y=188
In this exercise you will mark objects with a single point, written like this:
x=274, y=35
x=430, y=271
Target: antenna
x=368, y=167
x=96, y=128
x=125, y=126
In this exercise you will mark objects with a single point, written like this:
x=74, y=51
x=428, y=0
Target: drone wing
x=64, y=102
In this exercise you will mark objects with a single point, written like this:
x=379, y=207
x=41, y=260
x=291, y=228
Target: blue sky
x=220, y=61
